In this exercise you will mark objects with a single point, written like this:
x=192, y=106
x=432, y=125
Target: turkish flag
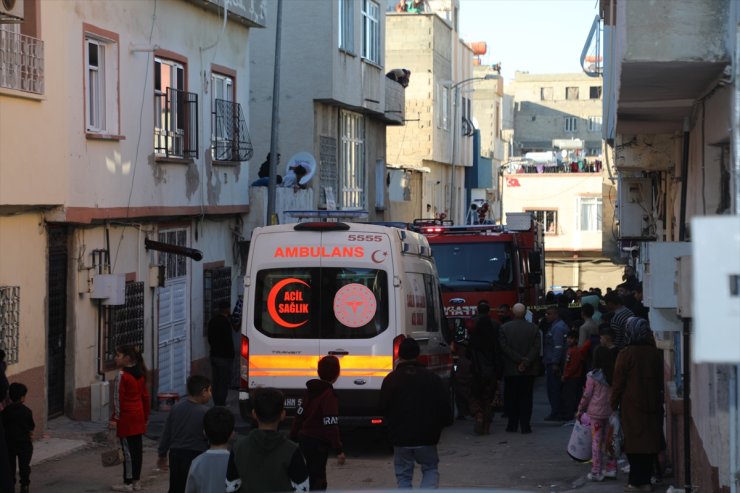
x=512, y=182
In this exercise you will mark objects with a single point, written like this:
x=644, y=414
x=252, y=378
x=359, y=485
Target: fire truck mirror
x=535, y=263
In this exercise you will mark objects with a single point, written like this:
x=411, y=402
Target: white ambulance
x=352, y=290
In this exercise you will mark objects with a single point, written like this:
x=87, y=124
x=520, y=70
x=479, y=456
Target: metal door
x=57, y=310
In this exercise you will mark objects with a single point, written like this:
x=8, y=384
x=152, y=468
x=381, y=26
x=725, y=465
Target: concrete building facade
x=429, y=46
x=671, y=100
x=123, y=190
x=555, y=170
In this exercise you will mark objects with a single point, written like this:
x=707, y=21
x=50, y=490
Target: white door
x=174, y=318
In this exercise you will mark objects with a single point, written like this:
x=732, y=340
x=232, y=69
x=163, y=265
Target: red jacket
x=130, y=402
x=574, y=361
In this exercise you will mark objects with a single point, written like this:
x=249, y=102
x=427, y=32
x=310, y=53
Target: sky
x=535, y=36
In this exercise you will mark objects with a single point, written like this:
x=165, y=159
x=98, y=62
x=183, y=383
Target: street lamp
x=455, y=92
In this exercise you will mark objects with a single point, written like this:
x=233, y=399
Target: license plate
x=290, y=402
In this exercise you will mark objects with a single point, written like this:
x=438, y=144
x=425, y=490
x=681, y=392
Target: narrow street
x=511, y=461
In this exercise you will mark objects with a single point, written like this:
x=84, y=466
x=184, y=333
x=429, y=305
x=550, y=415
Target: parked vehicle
x=352, y=290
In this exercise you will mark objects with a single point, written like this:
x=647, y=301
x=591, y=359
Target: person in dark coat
x=222, y=353
x=316, y=426
x=415, y=405
x=482, y=352
x=18, y=421
x=636, y=393
x=520, y=343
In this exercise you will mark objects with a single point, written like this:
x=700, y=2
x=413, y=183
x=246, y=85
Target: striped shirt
x=619, y=325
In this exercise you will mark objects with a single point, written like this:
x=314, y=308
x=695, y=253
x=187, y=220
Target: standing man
x=554, y=357
x=520, y=347
x=222, y=352
x=620, y=314
x=483, y=355
x=415, y=405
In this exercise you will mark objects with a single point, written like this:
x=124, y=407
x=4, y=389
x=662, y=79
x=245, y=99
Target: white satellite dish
x=306, y=160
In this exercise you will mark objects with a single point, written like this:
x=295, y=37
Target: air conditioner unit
x=11, y=11
x=634, y=207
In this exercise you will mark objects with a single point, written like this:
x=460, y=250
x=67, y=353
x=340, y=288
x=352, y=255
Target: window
x=593, y=151
x=101, y=81
x=594, y=124
x=346, y=25
x=229, y=134
x=313, y=315
x=571, y=93
x=175, y=112
x=371, y=31
x=216, y=290
x=10, y=309
x=444, y=104
x=590, y=213
x=548, y=220
x=22, y=55
x=474, y=267
x=594, y=92
x=352, y=161
x=546, y=93
x=174, y=265
x=571, y=124
x=124, y=323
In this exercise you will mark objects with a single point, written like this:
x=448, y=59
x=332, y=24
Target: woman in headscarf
x=636, y=393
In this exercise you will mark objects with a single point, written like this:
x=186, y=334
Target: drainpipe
x=272, y=184
x=734, y=373
x=686, y=321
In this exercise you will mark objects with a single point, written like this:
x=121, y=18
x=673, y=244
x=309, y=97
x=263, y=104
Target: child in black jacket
x=19, y=425
x=316, y=427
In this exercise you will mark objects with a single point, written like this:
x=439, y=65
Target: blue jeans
x=404, y=460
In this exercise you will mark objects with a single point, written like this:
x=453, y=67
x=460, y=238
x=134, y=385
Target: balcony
x=660, y=57
x=395, y=102
x=21, y=62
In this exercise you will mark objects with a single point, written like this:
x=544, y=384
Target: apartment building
x=670, y=112
x=335, y=103
x=123, y=188
x=556, y=171
x=433, y=149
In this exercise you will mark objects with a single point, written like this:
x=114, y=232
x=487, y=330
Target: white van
x=352, y=290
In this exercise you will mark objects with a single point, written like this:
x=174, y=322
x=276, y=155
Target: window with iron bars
x=10, y=308
x=230, y=138
x=216, y=290
x=175, y=112
x=124, y=324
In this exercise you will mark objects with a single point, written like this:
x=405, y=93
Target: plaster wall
x=117, y=172
x=657, y=31
x=559, y=192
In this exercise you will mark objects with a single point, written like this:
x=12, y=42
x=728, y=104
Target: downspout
x=686, y=321
x=734, y=373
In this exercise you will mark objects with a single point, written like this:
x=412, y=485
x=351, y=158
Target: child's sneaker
x=610, y=474
x=595, y=477
x=137, y=485
x=122, y=487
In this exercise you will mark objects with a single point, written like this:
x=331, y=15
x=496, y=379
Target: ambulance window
x=329, y=303
x=433, y=312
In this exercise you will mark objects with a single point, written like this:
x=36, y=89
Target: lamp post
x=455, y=92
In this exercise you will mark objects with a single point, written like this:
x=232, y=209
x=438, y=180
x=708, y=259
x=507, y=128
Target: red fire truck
x=492, y=262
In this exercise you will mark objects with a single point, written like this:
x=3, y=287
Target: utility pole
x=275, y=127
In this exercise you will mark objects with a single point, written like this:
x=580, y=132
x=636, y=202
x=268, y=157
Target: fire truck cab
x=500, y=264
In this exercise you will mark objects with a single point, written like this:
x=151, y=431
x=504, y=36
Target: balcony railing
x=176, y=125
x=230, y=137
x=21, y=62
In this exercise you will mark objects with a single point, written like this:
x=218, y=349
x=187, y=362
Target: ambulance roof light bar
x=328, y=216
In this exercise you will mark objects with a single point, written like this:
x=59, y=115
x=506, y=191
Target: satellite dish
x=306, y=160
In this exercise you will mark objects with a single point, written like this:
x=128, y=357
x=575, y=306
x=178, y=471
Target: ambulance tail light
x=376, y=421
x=396, y=346
x=244, y=362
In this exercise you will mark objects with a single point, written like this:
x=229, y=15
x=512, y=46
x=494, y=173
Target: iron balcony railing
x=230, y=139
x=21, y=62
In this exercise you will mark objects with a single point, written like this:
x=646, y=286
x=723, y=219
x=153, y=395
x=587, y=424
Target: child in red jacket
x=130, y=413
x=316, y=427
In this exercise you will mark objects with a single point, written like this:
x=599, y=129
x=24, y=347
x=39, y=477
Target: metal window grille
x=10, y=307
x=21, y=62
x=175, y=265
x=216, y=290
x=176, y=134
x=231, y=140
x=125, y=323
x=353, y=160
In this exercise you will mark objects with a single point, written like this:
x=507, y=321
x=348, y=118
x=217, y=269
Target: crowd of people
x=600, y=363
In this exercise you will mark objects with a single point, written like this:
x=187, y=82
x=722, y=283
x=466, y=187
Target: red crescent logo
x=382, y=256
x=271, y=302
